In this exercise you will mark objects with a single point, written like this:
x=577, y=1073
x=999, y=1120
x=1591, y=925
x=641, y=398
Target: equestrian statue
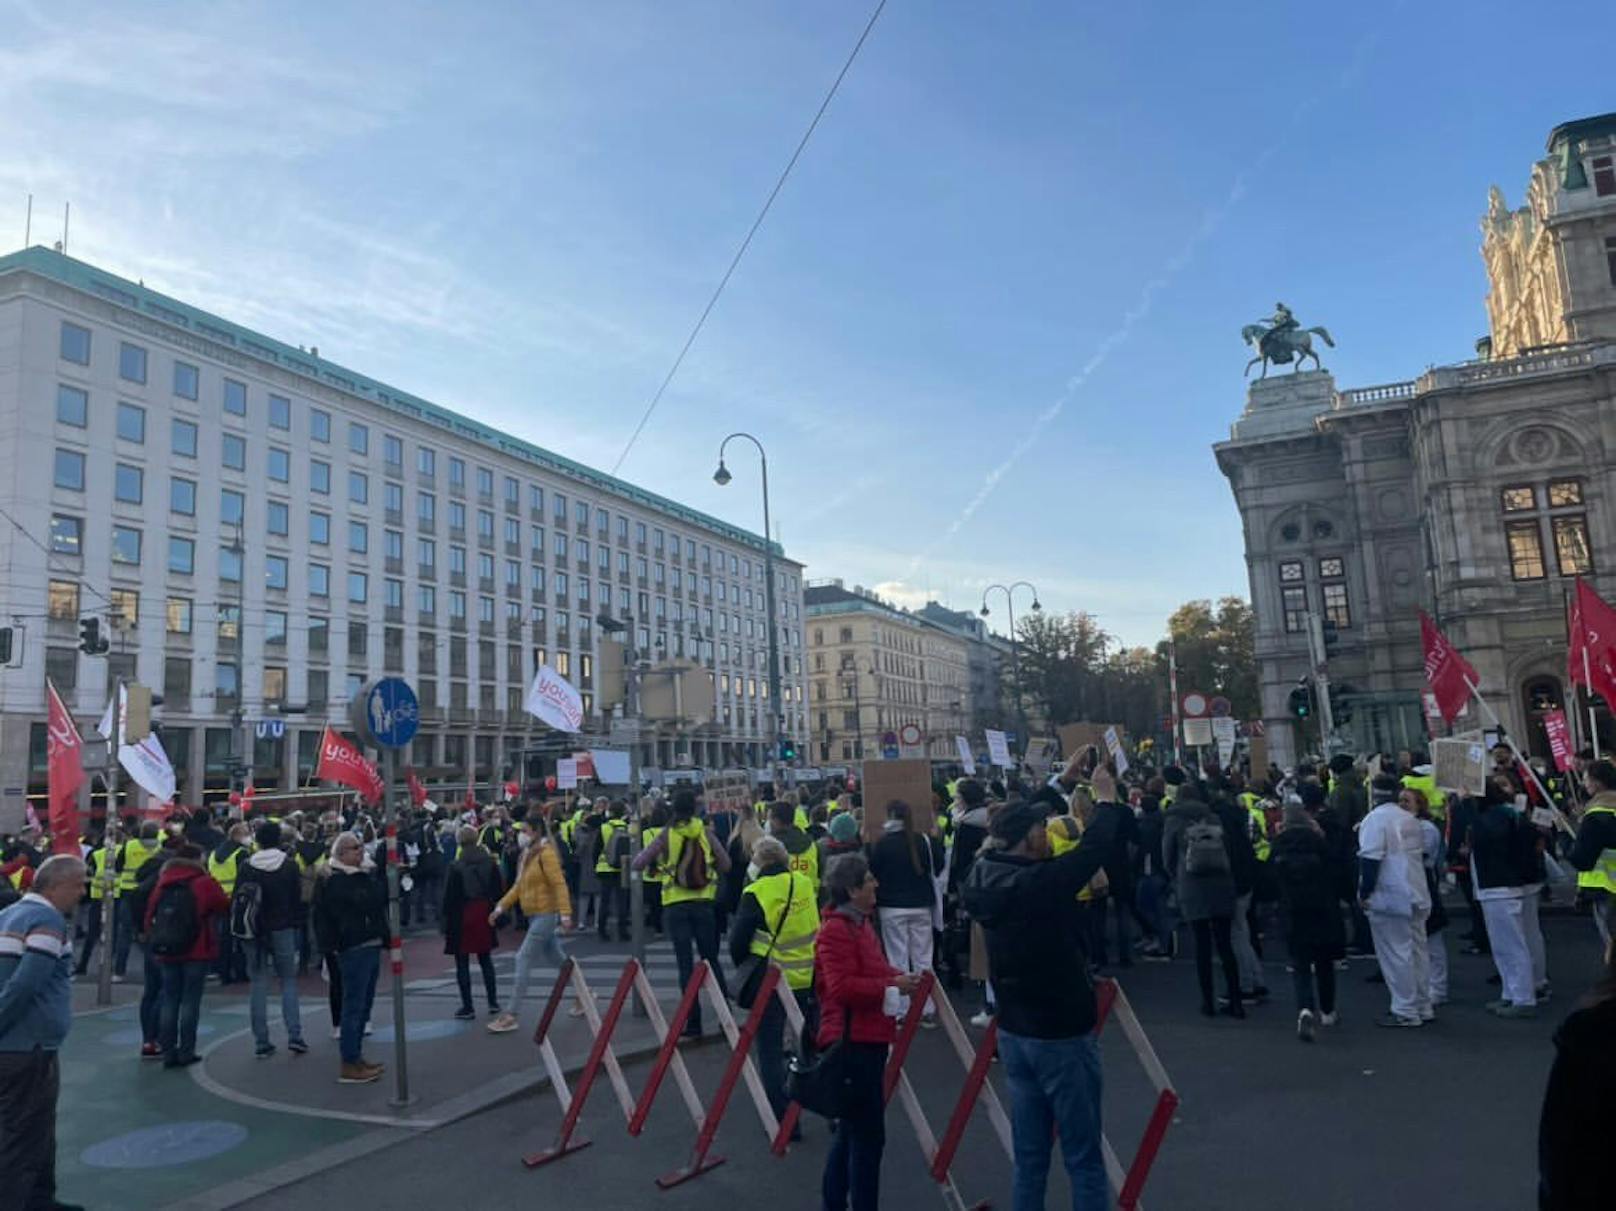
x=1281, y=340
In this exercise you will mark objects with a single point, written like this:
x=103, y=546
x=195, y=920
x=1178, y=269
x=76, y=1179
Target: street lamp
x=721, y=477
x=1015, y=649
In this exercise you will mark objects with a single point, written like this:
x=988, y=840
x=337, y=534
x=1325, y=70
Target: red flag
x=1559, y=734
x=1450, y=675
x=1593, y=642
x=417, y=791
x=65, y=773
x=341, y=762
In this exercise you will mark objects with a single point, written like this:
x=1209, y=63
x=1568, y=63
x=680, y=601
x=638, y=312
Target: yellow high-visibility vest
x=806, y=863
x=1426, y=785
x=224, y=872
x=1603, y=875
x=692, y=832
x=790, y=905
x=135, y=853
x=98, y=889
x=608, y=831
x=653, y=873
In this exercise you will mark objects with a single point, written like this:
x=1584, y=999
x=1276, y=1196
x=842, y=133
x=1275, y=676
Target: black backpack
x=174, y=923
x=245, y=907
x=140, y=898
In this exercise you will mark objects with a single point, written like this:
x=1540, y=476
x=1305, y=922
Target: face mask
x=523, y=841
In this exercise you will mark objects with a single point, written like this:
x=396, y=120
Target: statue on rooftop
x=1281, y=340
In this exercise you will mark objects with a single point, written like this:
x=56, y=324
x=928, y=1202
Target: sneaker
x=297, y=1047
x=503, y=1024
x=1257, y=995
x=928, y=1023
x=368, y=1029
x=1329, y=1019
x=356, y=1074
x=1306, y=1025
x=150, y=1051
x=465, y=1013
x=982, y=1020
x=263, y=1051
x=378, y=1069
x=1544, y=994
x=336, y=1032
x=1517, y=1011
x=1393, y=1021
x=1495, y=1006
x=1428, y=1018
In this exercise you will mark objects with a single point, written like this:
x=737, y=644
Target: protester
x=1393, y=892
x=1198, y=852
x=350, y=921
x=776, y=923
x=1151, y=879
x=692, y=862
x=1028, y=908
x=36, y=1013
x=851, y=979
x=181, y=918
x=224, y=863
x=906, y=864
x=1310, y=913
x=1508, y=872
x=610, y=853
x=803, y=853
x=151, y=992
x=1573, y=1141
x=473, y=887
x=742, y=842
x=264, y=921
x=1594, y=854
x=540, y=888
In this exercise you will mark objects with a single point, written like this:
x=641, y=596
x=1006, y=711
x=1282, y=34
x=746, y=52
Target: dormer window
x=1604, y=175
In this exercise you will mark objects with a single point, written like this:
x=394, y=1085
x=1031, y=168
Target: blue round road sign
x=392, y=714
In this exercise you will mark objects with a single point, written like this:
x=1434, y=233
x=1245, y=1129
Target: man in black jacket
x=271, y=876
x=1027, y=906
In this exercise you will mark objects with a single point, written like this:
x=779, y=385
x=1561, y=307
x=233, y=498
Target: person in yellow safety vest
x=655, y=876
x=608, y=870
x=1252, y=802
x=689, y=892
x=96, y=863
x=802, y=853
x=1064, y=834
x=776, y=922
x=800, y=816
x=1594, y=854
x=1423, y=779
x=132, y=855
x=223, y=864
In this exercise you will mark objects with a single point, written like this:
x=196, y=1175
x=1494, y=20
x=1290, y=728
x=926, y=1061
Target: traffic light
x=1302, y=700
x=788, y=749
x=5, y=645
x=90, y=641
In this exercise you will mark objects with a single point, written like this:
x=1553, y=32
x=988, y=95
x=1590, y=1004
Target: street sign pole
x=636, y=879
x=1321, y=682
x=395, y=934
x=109, y=843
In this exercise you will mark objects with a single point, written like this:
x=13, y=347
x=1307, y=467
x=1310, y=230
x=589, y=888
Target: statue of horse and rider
x=1281, y=340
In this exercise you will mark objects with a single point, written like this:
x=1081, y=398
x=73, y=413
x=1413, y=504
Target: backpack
x=245, y=907
x=140, y=898
x=1204, y=853
x=691, y=873
x=174, y=922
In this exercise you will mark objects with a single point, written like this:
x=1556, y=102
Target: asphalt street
x=1442, y=1116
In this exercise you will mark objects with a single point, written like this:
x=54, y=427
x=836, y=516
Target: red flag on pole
x=1558, y=731
x=1593, y=642
x=417, y=791
x=1450, y=675
x=65, y=773
x=341, y=762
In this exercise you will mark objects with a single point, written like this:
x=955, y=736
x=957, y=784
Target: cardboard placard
x=999, y=749
x=908, y=779
x=729, y=788
x=1113, y=746
x=1259, y=756
x=1075, y=737
x=1197, y=732
x=566, y=774
x=1460, y=765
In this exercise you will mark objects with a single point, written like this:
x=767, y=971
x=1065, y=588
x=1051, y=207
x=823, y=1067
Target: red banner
x=417, y=791
x=1559, y=734
x=341, y=762
x=1593, y=642
x=1450, y=675
x=65, y=773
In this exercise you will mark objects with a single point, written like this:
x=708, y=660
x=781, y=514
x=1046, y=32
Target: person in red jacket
x=184, y=971
x=852, y=976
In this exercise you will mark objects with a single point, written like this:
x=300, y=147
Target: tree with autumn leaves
x=1072, y=669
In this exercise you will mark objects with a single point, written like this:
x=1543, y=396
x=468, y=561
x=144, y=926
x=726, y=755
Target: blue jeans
x=279, y=948
x=360, y=968
x=151, y=996
x=1153, y=906
x=182, y=1006
x=123, y=935
x=1055, y=1085
x=541, y=936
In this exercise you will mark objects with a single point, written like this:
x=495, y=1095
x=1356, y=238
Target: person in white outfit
x=906, y=864
x=1392, y=891
x=1433, y=854
x=1506, y=863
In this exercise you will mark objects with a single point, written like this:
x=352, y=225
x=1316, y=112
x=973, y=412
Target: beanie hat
x=843, y=827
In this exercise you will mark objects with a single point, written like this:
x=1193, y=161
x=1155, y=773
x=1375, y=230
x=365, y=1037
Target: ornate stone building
x=1475, y=492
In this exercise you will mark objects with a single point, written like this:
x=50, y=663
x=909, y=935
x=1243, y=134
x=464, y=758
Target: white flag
x=145, y=762
x=553, y=700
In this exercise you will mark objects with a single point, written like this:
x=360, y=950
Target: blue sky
x=990, y=328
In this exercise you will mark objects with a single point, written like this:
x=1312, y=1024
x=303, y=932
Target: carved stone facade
x=1551, y=264
x=1475, y=492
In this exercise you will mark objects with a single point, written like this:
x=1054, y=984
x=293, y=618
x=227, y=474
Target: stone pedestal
x=1284, y=404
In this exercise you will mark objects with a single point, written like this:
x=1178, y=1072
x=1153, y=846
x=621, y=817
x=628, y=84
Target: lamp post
x=1015, y=649
x=722, y=477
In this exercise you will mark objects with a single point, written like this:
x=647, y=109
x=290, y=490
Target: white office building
x=260, y=531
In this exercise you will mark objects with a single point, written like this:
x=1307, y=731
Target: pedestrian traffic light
x=788, y=749
x=1302, y=700
x=5, y=645
x=90, y=641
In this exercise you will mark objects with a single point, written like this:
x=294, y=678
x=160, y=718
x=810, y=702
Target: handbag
x=818, y=1080
x=750, y=973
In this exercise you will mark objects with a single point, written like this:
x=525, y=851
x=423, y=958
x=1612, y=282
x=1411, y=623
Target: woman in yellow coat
x=541, y=889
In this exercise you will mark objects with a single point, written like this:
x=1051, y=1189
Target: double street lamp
x=1015, y=645
x=721, y=477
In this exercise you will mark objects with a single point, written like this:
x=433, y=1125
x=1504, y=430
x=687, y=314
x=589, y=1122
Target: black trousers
x=1207, y=933
x=490, y=981
x=1309, y=967
x=612, y=897
x=853, y=1165
x=29, y=1084
x=692, y=926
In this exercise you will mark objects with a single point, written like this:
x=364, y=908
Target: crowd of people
x=1023, y=888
